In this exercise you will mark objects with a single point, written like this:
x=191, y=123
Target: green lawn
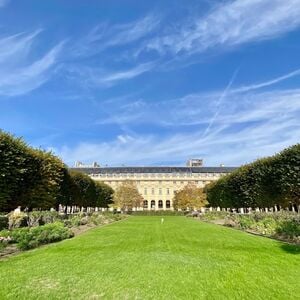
x=140, y=258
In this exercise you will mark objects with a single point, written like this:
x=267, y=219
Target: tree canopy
x=127, y=196
x=190, y=197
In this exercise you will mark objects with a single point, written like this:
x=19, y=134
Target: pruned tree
x=127, y=196
x=104, y=194
x=83, y=190
x=190, y=197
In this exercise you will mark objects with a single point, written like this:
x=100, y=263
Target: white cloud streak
x=231, y=24
x=253, y=124
x=104, y=36
x=18, y=73
x=16, y=46
x=97, y=77
x=201, y=108
x=231, y=148
x=127, y=74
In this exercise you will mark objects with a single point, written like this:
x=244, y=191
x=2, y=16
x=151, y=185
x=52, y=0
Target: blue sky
x=151, y=82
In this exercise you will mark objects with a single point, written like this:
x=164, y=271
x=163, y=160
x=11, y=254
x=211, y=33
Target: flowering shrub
x=16, y=220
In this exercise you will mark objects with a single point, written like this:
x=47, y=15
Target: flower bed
x=48, y=227
x=281, y=225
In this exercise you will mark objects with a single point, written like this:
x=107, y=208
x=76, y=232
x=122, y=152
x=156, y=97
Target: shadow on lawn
x=293, y=249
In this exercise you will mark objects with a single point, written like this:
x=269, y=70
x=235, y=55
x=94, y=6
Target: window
x=159, y=191
x=152, y=203
x=160, y=204
x=168, y=204
x=159, y=182
x=168, y=191
x=145, y=191
x=152, y=191
x=174, y=182
x=145, y=204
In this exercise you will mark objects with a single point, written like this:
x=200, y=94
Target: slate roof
x=122, y=170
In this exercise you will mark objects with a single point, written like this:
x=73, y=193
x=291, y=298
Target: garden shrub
x=118, y=217
x=98, y=219
x=84, y=220
x=289, y=229
x=214, y=215
x=246, y=222
x=266, y=226
x=28, y=238
x=16, y=220
x=284, y=225
x=51, y=217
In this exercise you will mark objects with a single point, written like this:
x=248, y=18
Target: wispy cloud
x=250, y=122
x=127, y=74
x=16, y=46
x=19, y=74
x=97, y=77
x=231, y=24
x=106, y=35
x=204, y=107
x=219, y=147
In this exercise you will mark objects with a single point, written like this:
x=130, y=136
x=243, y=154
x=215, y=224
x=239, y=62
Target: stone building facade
x=157, y=185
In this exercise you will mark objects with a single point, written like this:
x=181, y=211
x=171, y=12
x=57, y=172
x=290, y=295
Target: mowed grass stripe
x=140, y=258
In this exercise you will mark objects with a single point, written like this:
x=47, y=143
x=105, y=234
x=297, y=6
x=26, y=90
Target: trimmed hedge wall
x=37, y=179
x=264, y=183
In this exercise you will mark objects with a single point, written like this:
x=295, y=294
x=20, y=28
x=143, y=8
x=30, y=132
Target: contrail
x=223, y=95
x=266, y=83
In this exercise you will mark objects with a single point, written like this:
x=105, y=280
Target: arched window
x=145, y=204
x=160, y=204
x=168, y=204
x=152, y=203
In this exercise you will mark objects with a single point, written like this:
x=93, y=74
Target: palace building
x=157, y=185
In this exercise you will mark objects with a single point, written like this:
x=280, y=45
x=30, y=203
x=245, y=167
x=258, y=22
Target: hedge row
x=264, y=183
x=37, y=179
